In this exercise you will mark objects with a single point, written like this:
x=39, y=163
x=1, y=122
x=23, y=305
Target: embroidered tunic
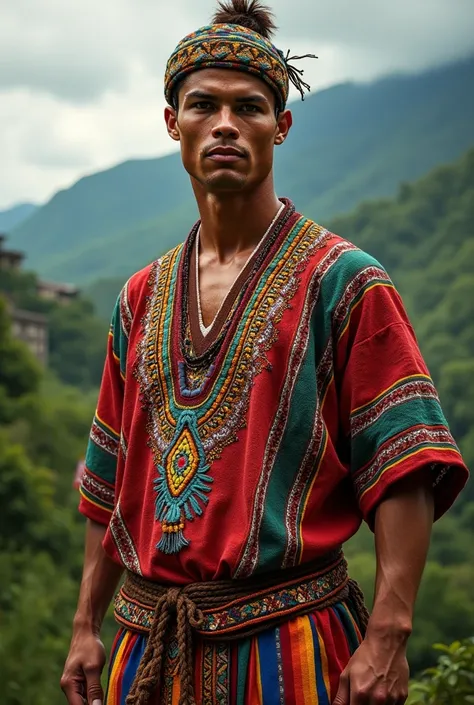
x=270, y=447
x=262, y=445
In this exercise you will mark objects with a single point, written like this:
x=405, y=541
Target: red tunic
x=267, y=446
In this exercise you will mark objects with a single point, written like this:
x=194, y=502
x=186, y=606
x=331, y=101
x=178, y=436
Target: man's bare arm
x=378, y=671
x=403, y=525
x=86, y=659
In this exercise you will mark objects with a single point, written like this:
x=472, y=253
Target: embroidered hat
x=243, y=47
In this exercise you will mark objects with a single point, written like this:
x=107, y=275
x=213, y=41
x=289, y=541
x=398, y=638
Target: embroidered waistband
x=223, y=609
x=227, y=608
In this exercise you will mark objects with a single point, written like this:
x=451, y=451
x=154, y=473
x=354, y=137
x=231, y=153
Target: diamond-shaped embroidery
x=182, y=463
x=182, y=484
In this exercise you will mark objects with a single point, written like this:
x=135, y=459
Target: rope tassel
x=176, y=605
x=294, y=74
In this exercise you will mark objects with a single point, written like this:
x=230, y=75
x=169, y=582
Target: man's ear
x=284, y=123
x=171, y=119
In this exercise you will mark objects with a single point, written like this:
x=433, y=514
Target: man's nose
x=225, y=125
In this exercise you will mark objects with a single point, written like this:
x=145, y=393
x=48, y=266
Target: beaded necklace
x=209, y=355
x=205, y=329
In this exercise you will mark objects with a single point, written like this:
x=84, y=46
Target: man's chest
x=215, y=284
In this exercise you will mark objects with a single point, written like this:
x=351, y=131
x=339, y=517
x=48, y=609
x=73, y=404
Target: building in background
x=31, y=327
x=9, y=259
x=62, y=293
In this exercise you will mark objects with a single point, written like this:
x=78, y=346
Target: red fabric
x=374, y=350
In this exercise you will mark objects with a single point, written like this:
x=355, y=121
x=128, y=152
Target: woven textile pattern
x=227, y=46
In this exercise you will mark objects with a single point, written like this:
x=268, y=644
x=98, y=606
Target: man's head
x=227, y=87
x=227, y=129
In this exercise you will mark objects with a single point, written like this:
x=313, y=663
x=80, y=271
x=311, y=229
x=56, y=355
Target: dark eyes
x=250, y=108
x=243, y=108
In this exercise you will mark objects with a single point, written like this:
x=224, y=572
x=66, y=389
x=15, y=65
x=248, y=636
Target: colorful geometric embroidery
x=406, y=444
x=126, y=316
x=182, y=484
x=193, y=381
x=104, y=438
x=123, y=541
x=97, y=490
x=248, y=611
x=417, y=387
x=222, y=675
x=355, y=290
x=232, y=47
x=215, y=674
x=214, y=417
x=170, y=669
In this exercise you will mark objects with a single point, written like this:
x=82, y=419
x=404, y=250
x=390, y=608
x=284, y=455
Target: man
x=263, y=394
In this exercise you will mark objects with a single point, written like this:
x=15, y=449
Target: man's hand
x=377, y=674
x=85, y=663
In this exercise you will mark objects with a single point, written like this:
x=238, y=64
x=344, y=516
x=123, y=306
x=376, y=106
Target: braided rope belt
x=223, y=610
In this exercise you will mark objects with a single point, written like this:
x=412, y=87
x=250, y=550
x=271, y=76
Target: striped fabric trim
x=404, y=390
x=126, y=316
x=97, y=491
x=249, y=559
x=354, y=293
x=124, y=542
x=401, y=448
x=104, y=437
x=120, y=329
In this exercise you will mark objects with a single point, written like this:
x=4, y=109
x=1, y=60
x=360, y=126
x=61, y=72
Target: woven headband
x=231, y=46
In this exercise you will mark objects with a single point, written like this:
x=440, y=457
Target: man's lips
x=225, y=154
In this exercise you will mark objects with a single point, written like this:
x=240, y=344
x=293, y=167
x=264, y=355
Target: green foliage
x=348, y=143
x=77, y=343
x=19, y=371
x=44, y=429
x=451, y=681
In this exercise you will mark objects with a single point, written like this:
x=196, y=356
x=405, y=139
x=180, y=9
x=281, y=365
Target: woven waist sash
x=224, y=610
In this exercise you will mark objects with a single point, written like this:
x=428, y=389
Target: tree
x=451, y=681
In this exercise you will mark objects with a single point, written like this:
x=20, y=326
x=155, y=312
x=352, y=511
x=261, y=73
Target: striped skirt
x=297, y=663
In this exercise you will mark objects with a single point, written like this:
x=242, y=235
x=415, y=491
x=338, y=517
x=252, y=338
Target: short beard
x=224, y=182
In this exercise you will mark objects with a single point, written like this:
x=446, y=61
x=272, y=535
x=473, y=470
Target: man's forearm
x=403, y=525
x=99, y=581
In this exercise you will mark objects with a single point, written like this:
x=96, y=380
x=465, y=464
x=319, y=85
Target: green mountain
x=349, y=143
x=15, y=216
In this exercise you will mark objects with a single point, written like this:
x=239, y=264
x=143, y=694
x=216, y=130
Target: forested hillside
x=348, y=143
x=425, y=238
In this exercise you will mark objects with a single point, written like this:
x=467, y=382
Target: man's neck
x=234, y=223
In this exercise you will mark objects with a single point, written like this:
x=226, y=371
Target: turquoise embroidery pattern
x=182, y=484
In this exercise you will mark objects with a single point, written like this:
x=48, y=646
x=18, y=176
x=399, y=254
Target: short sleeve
x=391, y=415
x=98, y=484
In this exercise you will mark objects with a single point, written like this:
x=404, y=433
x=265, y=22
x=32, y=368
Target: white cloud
x=81, y=83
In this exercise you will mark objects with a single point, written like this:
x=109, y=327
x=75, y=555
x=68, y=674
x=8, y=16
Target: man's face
x=227, y=128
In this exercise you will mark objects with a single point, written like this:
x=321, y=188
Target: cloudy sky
x=81, y=82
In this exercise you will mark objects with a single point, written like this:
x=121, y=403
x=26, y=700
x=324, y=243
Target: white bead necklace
x=206, y=329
